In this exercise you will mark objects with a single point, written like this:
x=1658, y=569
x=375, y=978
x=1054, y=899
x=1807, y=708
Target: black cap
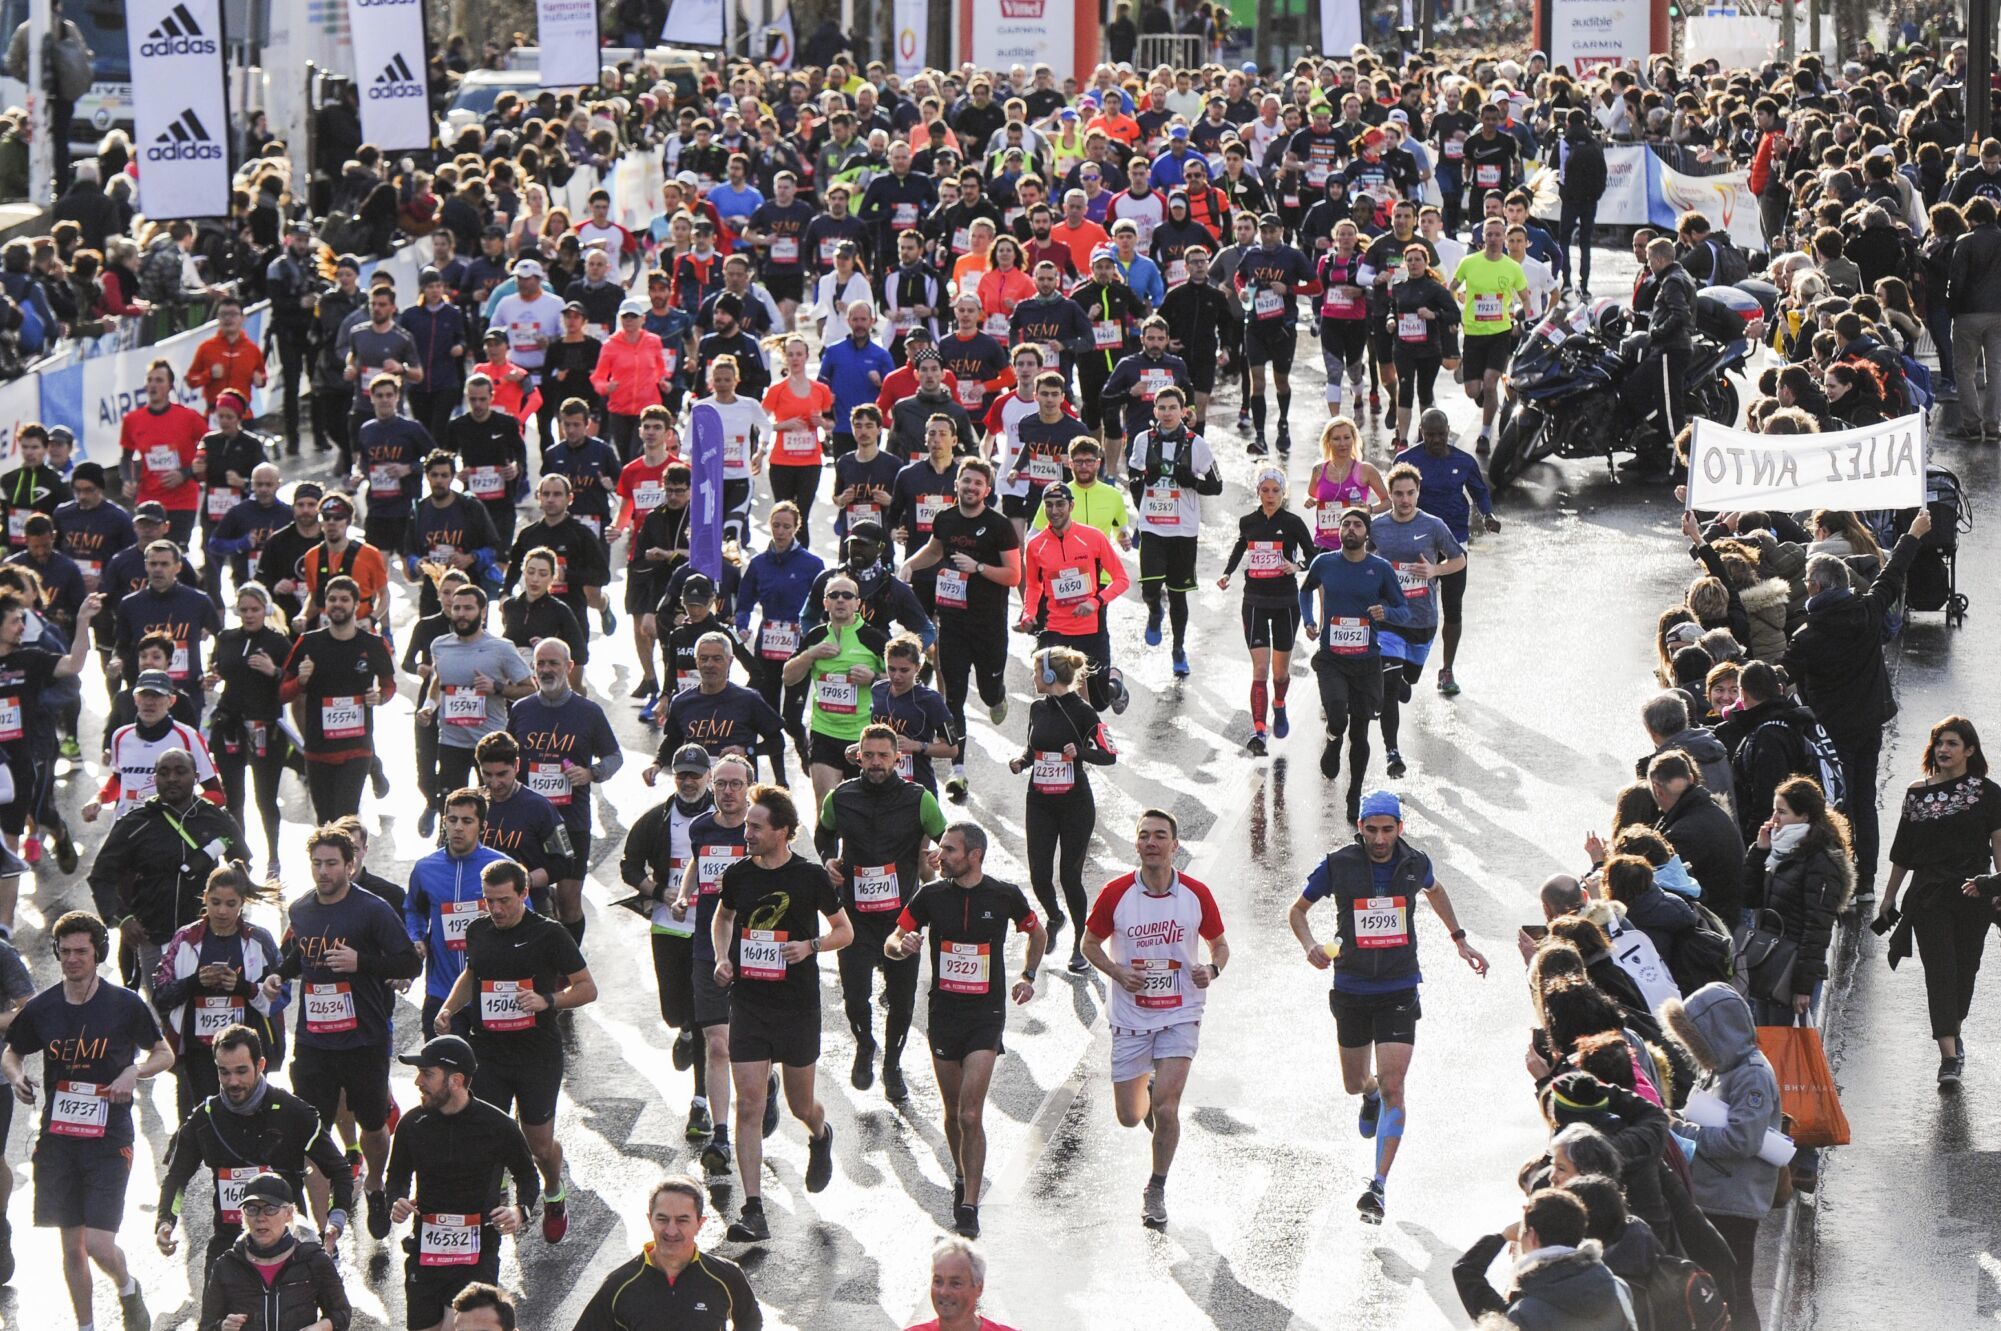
x=154, y=681
x=428, y=276
x=444, y=1051
x=574, y=307
x=699, y=588
x=299, y=229
x=269, y=1188
x=1270, y=219
x=150, y=511
x=866, y=530
x=690, y=759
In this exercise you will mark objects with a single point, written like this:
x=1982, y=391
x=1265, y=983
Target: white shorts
x=1135, y=1052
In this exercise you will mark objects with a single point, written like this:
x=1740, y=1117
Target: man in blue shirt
x=854, y=369
x=736, y=198
x=1357, y=593
x=444, y=900
x=1450, y=474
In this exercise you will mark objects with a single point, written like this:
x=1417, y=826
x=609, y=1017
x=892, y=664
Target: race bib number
x=1266, y=559
x=863, y=513
x=962, y=240
x=10, y=719
x=902, y=321
x=329, y=1008
x=836, y=695
x=1152, y=381
x=1343, y=302
x=79, y=1109
x=1267, y=304
x=965, y=968
x=928, y=509
x=1487, y=176
x=1108, y=336
x=463, y=705
x=549, y=781
x=1455, y=148
x=1382, y=922
x=1160, y=506
x=710, y=864
x=649, y=495
x=443, y=555
x=486, y=483
x=220, y=500
x=906, y=766
x=1327, y=519
x=1070, y=584
x=1044, y=469
x=902, y=216
x=1347, y=636
x=1177, y=272
x=457, y=917
x=778, y=640
x=214, y=1013
x=500, y=1005
x=343, y=718
x=761, y=955
x=736, y=455
x=798, y=441
x=1411, y=328
x=230, y=1185
x=1486, y=309
x=448, y=1240
x=971, y=393
x=1316, y=174
x=1052, y=774
x=952, y=590
x=996, y=326
x=520, y=333
x=829, y=246
x=876, y=887
x=1160, y=982
x=161, y=458
x=1414, y=584
x=687, y=679
x=784, y=249
x=382, y=482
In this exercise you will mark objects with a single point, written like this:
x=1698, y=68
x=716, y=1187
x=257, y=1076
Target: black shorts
x=1361, y=1020
x=642, y=589
x=428, y=1291
x=828, y=751
x=1270, y=342
x=674, y=965
x=319, y=1076
x=520, y=1084
x=1168, y=558
x=956, y=1033
x=1349, y=685
x=1202, y=374
x=712, y=1001
x=580, y=846
x=757, y=1036
x=1451, y=596
x=1273, y=626
x=1484, y=354
x=786, y=286
x=1021, y=507
x=80, y=1183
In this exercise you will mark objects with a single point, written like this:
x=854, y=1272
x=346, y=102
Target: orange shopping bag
x=1806, y=1084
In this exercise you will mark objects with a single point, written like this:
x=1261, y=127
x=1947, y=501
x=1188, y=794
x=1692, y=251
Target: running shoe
x=427, y=822
x=378, y=780
x=607, y=621
x=1280, y=725
x=1121, y=699
x=1375, y=403
x=684, y=1051
x=820, y=1159
x=958, y=1192
x=998, y=712
x=6, y=1252
x=1448, y=685
x=1153, y=1206
x=700, y=1123
x=955, y=787
x=648, y=712
x=1393, y=765
x=1180, y=665
x=1257, y=744
x=132, y=1307
x=555, y=1218
x=1481, y=445
x=862, y=1075
x=1153, y=626
x=354, y=1162
x=1078, y=965
x=31, y=849
x=1258, y=447
x=1054, y=927
x=750, y=1226
x=894, y=1088
x=66, y=856
x=716, y=1159
x=966, y=1221
x=1285, y=439
x=1949, y=1070
x=1330, y=758
x=770, y=1124
x=1370, y=1203
x=647, y=688
x=70, y=749
x=378, y=1214
x=1372, y=1109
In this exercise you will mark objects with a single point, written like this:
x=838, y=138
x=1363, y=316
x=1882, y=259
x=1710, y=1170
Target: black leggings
x=1421, y=369
x=233, y=758
x=859, y=962
x=673, y=971
x=1349, y=701
x=454, y=771
x=1061, y=823
x=1951, y=931
x=800, y=484
x=336, y=787
x=1398, y=676
x=789, y=701
x=1741, y=1233
x=979, y=645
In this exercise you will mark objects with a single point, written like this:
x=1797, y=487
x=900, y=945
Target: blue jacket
x=1143, y=276
x=436, y=332
x=1447, y=482
x=845, y=367
x=777, y=582
x=434, y=881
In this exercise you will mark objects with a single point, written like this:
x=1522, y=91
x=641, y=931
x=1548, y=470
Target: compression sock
x=1333, y=396
x=1388, y=1130
x=1258, y=691
x=1391, y=715
x=1258, y=414
x=1280, y=686
x=1284, y=408
x=1177, y=618
x=576, y=928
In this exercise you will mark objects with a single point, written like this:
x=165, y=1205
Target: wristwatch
x=1458, y=935
x=1029, y=976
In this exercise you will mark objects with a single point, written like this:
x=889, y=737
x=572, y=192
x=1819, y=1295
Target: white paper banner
x=568, y=31
x=693, y=23
x=1340, y=27
x=20, y=402
x=389, y=67
x=180, y=115
x=1878, y=466
x=913, y=36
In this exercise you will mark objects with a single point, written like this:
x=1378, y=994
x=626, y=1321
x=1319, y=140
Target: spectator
x=1560, y=1279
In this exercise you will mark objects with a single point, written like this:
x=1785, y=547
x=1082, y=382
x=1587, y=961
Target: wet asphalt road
x=1505, y=782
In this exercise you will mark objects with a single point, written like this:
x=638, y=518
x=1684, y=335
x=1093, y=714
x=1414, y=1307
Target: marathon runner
x=917, y=713
x=672, y=1285
x=1449, y=474
x=1374, y=883
x=209, y=977
x=1269, y=278
x=1273, y=545
x=1171, y=469
x=1421, y=549
x=1489, y=284
x=1357, y=594
x=567, y=749
x=1065, y=736
x=339, y=674
x=837, y=661
x=720, y=716
x=444, y=898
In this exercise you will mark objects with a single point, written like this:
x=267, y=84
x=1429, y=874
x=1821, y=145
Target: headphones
x=1048, y=674
x=100, y=936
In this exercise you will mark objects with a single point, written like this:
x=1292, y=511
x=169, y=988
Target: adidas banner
x=569, y=34
x=179, y=112
x=389, y=67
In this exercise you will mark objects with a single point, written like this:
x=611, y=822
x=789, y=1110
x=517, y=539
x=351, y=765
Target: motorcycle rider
x=1670, y=337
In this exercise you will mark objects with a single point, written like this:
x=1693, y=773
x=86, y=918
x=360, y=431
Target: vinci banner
x=913, y=36
x=1023, y=32
x=388, y=40
x=180, y=115
x=1876, y=466
x=568, y=30
x=1725, y=199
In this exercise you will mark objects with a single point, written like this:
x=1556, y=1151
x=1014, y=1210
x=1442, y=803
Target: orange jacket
x=368, y=569
x=638, y=367
x=1080, y=551
x=242, y=362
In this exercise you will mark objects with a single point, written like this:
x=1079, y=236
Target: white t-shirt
x=744, y=426
x=523, y=320
x=1013, y=410
x=1157, y=936
x=1542, y=284
x=1167, y=509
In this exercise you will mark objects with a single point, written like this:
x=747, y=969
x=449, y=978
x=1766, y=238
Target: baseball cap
x=336, y=506
x=269, y=1188
x=299, y=229
x=637, y=307
x=443, y=1051
x=699, y=589
x=1104, y=254
x=1178, y=132
x=1066, y=114
x=154, y=681
x=1382, y=803
x=574, y=307
x=347, y=261
x=1401, y=116
x=1057, y=490
x=1500, y=98
x=428, y=276
x=150, y=511
x=866, y=530
x=528, y=268
x=690, y=758
x=687, y=180
x=1270, y=219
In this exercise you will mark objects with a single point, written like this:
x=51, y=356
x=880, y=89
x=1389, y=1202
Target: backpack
x=1917, y=382
x=1678, y=1295
x=1730, y=266
x=1704, y=952
x=1812, y=754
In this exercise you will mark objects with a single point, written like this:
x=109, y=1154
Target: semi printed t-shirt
x=84, y=1048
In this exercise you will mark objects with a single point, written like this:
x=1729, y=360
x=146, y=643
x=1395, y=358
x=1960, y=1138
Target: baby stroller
x=1933, y=583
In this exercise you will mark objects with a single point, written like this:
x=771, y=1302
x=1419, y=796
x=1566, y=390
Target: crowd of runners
x=983, y=322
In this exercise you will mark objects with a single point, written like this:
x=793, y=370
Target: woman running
x=1345, y=277
x=1422, y=313
x=1064, y=737
x=1277, y=544
x=243, y=734
x=801, y=411
x=1341, y=480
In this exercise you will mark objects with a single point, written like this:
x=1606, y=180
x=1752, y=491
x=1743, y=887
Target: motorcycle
x=1569, y=390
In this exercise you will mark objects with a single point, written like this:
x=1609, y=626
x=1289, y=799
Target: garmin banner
x=180, y=115
x=568, y=30
x=389, y=69
x=1875, y=466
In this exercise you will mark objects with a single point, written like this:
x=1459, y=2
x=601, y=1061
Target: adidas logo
x=178, y=34
x=395, y=80
x=186, y=140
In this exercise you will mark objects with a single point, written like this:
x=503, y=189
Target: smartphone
x=1882, y=924
x=1536, y=931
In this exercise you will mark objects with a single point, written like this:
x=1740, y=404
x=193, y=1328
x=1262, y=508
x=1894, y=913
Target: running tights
x=336, y=787
x=1177, y=608
x=1425, y=372
x=1398, y=676
x=1059, y=840
x=263, y=772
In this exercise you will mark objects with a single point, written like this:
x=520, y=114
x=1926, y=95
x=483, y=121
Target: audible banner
x=1875, y=466
x=569, y=34
x=179, y=112
x=389, y=67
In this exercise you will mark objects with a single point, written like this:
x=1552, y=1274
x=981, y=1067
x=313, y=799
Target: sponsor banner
x=568, y=31
x=1340, y=27
x=913, y=36
x=693, y=23
x=1022, y=32
x=1876, y=466
x=1625, y=199
x=705, y=457
x=389, y=69
x=1586, y=33
x=180, y=114
x=787, y=46
x=21, y=402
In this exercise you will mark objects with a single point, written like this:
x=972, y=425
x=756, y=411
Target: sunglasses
x=841, y=596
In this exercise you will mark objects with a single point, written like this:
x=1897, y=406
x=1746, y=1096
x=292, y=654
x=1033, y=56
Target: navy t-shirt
x=84, y=1048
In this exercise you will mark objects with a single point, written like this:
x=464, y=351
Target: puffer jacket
x=1726, y=1175
x=307, y=1288
x=1836, y=658
x=1711, y=759
x=1787, y=560
x=1704, y=833
x=1767, y=605
x=1807, y=889
x=1569, y=1289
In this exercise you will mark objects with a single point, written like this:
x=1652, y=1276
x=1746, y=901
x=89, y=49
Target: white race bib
x=457, y=917
x=382, y=482
x=1411, y=328
x=213, y=1013
x=1486, y=309
x=486, y=483
x=778, y=640
x=1347, y=636
x=1414, y=584
x=1070, y=584
x=964, y=968
x=1160, y=506
x=462, y=705
x=448, y=1240
x=761, y=955
x=329, y=1008
x=1265, y=559
x=1106, y=336
x=10, y=719
x=952, y=590
x=79, y=1109
x=836, y=694
x=161, y=458
x=1382, y=922
x=500, y=1005
x=649, y=495
x=343, y=718
x=996, y=327
x=710, y=862
x=230, y=1185
x=1052, y=774
x=928, y=509
x=220, y=500
x=876, y=887
x=1160, y=982
x=548, y=781
x=784, y=249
